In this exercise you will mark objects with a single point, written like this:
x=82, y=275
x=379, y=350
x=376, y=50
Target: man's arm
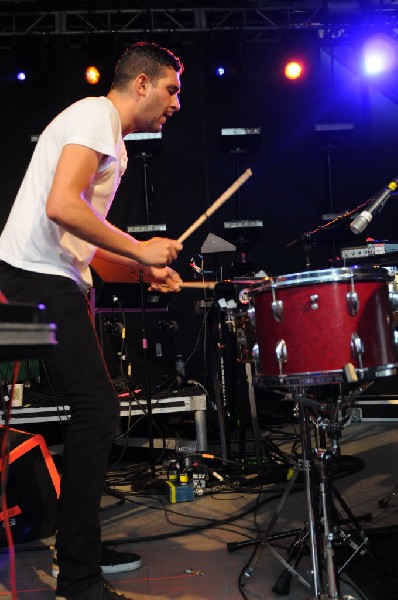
x=67, y=206
x=162, y=279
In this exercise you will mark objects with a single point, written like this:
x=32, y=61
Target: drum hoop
x=323, y=377
x=325, y=276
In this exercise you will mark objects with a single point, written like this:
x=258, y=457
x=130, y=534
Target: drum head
x=324, y=276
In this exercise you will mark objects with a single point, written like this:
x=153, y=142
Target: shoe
x=111, y=561
x=100, y=591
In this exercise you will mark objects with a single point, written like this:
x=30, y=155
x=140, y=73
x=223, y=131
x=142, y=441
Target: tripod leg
x=260, y=546
x=282, y=584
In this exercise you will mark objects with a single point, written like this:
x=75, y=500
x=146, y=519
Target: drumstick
x=203, y=285
x=227, y=194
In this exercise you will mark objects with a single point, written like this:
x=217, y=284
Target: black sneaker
x=100, y=591
x=111, y=561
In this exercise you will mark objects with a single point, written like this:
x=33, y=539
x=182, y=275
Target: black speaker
x=33, y=486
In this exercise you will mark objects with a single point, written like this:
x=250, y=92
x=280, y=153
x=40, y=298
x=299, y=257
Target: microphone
x=379, y=200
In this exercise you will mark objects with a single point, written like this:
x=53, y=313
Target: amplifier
x=369, y=250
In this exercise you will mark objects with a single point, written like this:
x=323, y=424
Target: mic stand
x=238, y=152
x=305, y=238
x=307, y=244
x=147, y=377
x=144, y=156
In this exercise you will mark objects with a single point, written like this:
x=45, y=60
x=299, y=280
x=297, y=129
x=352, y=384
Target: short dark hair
x=144, y=57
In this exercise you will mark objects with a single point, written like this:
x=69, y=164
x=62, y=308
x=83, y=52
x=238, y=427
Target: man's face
x=160, y=102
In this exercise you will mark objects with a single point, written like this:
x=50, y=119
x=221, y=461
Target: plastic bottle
x=173, y=471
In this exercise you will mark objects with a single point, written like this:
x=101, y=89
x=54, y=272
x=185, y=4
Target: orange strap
x=37, y=440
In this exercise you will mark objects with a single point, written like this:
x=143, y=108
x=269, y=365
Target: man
x=56, y=225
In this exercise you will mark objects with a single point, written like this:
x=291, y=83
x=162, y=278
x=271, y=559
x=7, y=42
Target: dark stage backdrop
x=298, y=174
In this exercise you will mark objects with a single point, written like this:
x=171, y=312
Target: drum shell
x=318, y=340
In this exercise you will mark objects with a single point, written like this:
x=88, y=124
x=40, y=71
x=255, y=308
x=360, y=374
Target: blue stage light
x=379, y=55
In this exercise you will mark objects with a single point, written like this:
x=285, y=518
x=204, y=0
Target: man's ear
x=141, y=84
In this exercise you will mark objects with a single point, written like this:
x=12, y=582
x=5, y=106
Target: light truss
x=255, y=23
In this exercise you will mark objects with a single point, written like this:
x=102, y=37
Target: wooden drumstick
x=203, y=285
x=216, y=205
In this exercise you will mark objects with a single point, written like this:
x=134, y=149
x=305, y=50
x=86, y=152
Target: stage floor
x=143, y=523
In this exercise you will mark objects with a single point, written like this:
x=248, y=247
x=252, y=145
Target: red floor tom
x=315, y=327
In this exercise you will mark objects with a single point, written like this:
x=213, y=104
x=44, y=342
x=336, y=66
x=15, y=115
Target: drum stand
x=319, y=532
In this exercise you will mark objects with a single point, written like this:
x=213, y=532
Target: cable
x=196, y=529
x=61, y=410
x=131, y=425
x=121, y=353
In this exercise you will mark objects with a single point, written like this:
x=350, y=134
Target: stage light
x=379, y=55
x=21, y=76
x=220, y=71
x=92, y=75
x=293, y=69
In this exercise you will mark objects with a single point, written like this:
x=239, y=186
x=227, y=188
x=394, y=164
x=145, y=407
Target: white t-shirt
x=30, y=240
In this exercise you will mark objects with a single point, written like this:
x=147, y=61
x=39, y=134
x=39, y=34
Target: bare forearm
x=67, y=206
x=81, y=220
x=111, y=257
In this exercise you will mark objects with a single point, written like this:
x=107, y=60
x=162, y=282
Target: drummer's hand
x=157, y=251
x=164, y=280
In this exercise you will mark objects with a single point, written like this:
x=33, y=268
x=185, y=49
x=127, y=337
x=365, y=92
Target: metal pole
x=311, y=501
x=147, y=377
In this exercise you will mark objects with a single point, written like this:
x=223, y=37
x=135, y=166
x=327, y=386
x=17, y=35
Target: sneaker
x=111, y=561
x=100, y=591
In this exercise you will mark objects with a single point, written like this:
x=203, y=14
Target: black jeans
x=77, y=368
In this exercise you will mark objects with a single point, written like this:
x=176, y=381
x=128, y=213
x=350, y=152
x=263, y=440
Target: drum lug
x=352, y=303
x=314, y=301
x=393, y=296
x=395, y=339
x=256, y=353
x=281, y=354
x=277, y=310
x=252, y=316
x=357, y=347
